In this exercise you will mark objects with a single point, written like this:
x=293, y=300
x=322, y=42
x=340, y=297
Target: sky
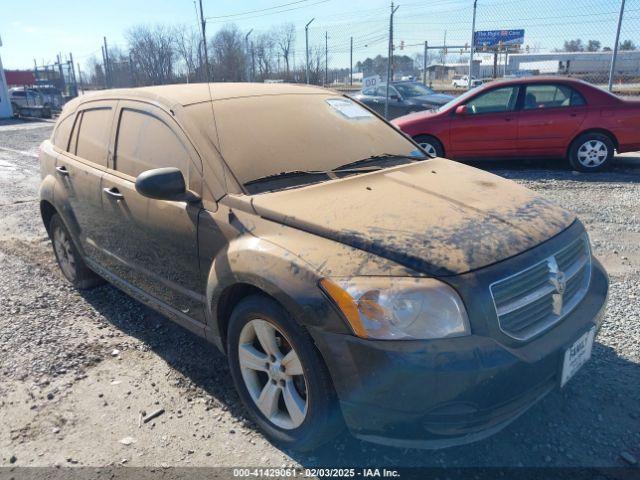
x=37, y=29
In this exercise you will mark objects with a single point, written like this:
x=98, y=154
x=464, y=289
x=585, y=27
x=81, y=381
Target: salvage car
x=404, y=98
x=531, y=117
x=350, y=279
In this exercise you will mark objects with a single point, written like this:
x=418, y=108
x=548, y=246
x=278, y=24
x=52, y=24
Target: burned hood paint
x=437, y=216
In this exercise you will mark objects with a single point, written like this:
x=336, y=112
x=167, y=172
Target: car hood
x=434, y=99
x=437, y=217
x=415, y=117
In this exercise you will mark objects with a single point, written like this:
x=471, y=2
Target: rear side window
x=93, y=136
x=551, y=96
x=63, y=130
x=146, y=142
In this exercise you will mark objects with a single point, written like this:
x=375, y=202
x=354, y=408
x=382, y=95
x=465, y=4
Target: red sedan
x=530, y=117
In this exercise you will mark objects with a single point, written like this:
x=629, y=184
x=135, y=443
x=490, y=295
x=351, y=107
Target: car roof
x=190, y=93
x=536, y=79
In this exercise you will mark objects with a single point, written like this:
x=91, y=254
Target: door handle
x=62, y=170
x=508, y=119
x=113, y=192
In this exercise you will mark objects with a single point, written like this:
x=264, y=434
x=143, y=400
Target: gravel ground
x=78, y=369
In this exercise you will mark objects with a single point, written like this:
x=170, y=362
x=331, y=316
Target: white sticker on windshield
x=348, y=108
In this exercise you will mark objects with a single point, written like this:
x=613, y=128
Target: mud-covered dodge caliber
x=348, y=278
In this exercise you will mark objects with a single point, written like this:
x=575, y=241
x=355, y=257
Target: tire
x=430, y=144
x=315, y=417
x=69, y=260
x=591, y=152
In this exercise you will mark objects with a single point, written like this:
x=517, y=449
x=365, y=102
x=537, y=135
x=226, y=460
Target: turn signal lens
x=346, y=305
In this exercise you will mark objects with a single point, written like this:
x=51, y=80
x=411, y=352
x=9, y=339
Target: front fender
x=276, y=271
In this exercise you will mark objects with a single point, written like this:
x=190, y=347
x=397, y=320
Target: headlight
x=398, y=308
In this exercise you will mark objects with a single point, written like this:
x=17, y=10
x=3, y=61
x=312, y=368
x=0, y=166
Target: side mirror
x=461, y=110
x=164, y=184
x=395, y=97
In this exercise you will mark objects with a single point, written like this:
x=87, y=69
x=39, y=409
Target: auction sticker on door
x=577, y=355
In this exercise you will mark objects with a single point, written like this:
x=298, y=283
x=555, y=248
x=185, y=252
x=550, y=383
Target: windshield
x=462, y=98
x=412, y=89
x=267, y=135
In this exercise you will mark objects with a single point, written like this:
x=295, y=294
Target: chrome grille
x=535, y=299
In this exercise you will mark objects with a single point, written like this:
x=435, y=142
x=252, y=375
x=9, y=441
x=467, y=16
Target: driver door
x=489, y=128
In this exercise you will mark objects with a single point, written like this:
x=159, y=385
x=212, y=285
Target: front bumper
x=440, y=393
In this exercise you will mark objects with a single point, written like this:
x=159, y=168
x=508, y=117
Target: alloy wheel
x=592, y=153
x=64, y=253
x=273, y=374
x=429, y=148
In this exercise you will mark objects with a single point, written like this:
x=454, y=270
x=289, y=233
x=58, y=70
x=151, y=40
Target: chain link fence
x=432, y=43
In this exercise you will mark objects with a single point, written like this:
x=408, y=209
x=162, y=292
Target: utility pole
x=424, y=62
x=63, y=84
x=306, y=47
x=616, y=47
x=326, y=59
x=351, y=63
x=253, y=62
x=246, y=54
x=73, y=73
x=390, y=61
x=104, y=68
x=108, y=64
x=203, y=24
x=473, y=40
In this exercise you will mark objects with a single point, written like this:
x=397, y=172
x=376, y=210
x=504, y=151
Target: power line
x=257, y=11
x=270, y=13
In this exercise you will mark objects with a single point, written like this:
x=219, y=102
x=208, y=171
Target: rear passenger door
x=152, y=244
x=551, y=116
x=82, y=141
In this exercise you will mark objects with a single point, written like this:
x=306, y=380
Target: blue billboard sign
x=494, y=38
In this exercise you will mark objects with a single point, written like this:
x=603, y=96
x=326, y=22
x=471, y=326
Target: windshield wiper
x=303, y=173
x=377, y=158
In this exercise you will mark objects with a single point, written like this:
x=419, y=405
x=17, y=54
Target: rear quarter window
x=62, y=132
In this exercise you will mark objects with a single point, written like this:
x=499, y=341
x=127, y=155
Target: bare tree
x=187, y=48
x=95, y=72
x=264, y=50
x=152, y=51
x=285, y=38
x=228, y=55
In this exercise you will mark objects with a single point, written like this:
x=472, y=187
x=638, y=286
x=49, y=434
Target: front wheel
x=430, y=144
x=280, y=376
x=591, y=152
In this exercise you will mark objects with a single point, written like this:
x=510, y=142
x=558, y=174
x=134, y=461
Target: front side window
x=551, y=96
x=145, y=142
x=93, y=136
x=494, y=101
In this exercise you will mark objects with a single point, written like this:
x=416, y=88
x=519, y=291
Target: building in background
x=579, y=64
x=5, y=105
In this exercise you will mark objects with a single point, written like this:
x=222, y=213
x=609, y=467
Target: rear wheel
x=591, y=152
x=430, y=144
x=69, y=260
x=280, y=376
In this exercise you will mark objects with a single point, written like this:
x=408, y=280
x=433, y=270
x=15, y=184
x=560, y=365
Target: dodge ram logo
x=558, y=279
